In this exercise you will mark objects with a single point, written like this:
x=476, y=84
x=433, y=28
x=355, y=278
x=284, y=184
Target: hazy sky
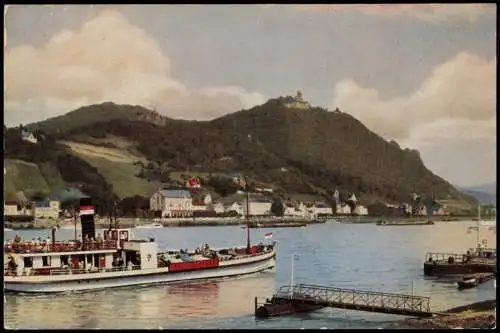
x=424, y=75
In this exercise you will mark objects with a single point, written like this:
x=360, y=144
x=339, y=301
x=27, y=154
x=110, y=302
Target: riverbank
x=171, y=222
x=475, y=315
x=223, y=221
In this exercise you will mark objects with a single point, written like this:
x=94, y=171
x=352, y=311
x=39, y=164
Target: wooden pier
x=302, y=297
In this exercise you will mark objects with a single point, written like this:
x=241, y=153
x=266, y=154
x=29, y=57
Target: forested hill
x=294, y=150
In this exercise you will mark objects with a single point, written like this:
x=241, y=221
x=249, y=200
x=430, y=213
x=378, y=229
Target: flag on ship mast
x=268, y=235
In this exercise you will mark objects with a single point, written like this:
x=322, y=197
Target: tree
x=277, y=207
x=38, y=196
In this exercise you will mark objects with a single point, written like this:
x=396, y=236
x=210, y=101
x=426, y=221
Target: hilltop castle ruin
x=297, y=102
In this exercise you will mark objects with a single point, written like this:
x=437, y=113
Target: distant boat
x=484, y=223
x=276, y=225
x=7, y=229
x=150, y=226
x=403, y=223
x=70, y=227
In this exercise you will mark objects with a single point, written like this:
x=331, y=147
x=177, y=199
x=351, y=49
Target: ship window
x=28, y=262
x=65, y=260
x=45, y=261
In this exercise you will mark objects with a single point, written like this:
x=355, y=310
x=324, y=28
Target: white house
x=321, y=208
x=260, y=206
x=201, y=201
x=11, y=208
x=361, y=210
x=218, y=207
x=234, y=207
x=297, y=211
x=172, y=203
x=28, y=136
x=47, y=209
x=343, y=209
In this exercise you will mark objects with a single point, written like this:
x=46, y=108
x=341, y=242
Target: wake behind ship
x=116, y=259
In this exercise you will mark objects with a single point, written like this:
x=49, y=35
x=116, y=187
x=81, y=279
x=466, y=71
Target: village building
x=201, y=200
x=295, y=209
x=193, y=182
x=11, y=208
x=172, y=203
x=321, y=208
x=258, y=206
x=218, y=208
x=343, y=209
x=47, y=209
x=361, y=210
x=28, y=136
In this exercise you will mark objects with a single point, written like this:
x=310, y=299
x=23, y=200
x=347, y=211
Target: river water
x=360, y=256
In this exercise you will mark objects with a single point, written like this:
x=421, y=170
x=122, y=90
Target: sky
x=423, y=75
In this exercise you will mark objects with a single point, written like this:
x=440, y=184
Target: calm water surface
x=366, y=256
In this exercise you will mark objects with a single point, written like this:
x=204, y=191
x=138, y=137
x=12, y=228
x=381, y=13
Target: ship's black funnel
x=87, y=218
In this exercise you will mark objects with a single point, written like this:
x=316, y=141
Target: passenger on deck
x=12, y=264
x=451, y=260
x=17, y=239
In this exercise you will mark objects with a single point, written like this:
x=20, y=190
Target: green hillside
x=120, y=151
x=24, y=179
x=117, y=167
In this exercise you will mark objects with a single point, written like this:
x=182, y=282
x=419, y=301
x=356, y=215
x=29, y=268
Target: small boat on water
x=473, y=280
x=7, y=229
x=467, y=283
x=404, y=223
x=118, y=259
x=150, y=226
x=276, y=225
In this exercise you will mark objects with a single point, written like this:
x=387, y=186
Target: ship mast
x=114, y=212
x=75, y=221
x=247, y=214
x=478, y=224
x=110, y=217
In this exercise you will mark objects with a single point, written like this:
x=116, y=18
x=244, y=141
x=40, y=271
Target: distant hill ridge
x=320, y=150
x=485, y=193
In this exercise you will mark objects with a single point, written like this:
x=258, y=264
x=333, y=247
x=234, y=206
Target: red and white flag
x=86, y=210
x=268, y=235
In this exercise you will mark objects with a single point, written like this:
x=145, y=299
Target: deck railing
x=445, y=257
x=69, y=271
x=60, y=247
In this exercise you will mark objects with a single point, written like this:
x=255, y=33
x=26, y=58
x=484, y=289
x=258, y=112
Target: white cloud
x=455, y=104
x=435, y=13
x=107, y=59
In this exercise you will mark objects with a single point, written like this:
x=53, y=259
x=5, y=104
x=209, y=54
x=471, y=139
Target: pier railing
x=357, y=299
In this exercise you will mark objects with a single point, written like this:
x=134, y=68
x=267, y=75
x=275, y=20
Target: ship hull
x=135, y=279
x=441, y=269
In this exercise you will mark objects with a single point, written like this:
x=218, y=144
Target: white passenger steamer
x=117, y=259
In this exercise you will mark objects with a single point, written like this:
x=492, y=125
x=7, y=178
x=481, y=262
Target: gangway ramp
x=314, y=296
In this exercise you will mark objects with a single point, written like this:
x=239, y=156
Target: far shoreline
x=128, y=222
